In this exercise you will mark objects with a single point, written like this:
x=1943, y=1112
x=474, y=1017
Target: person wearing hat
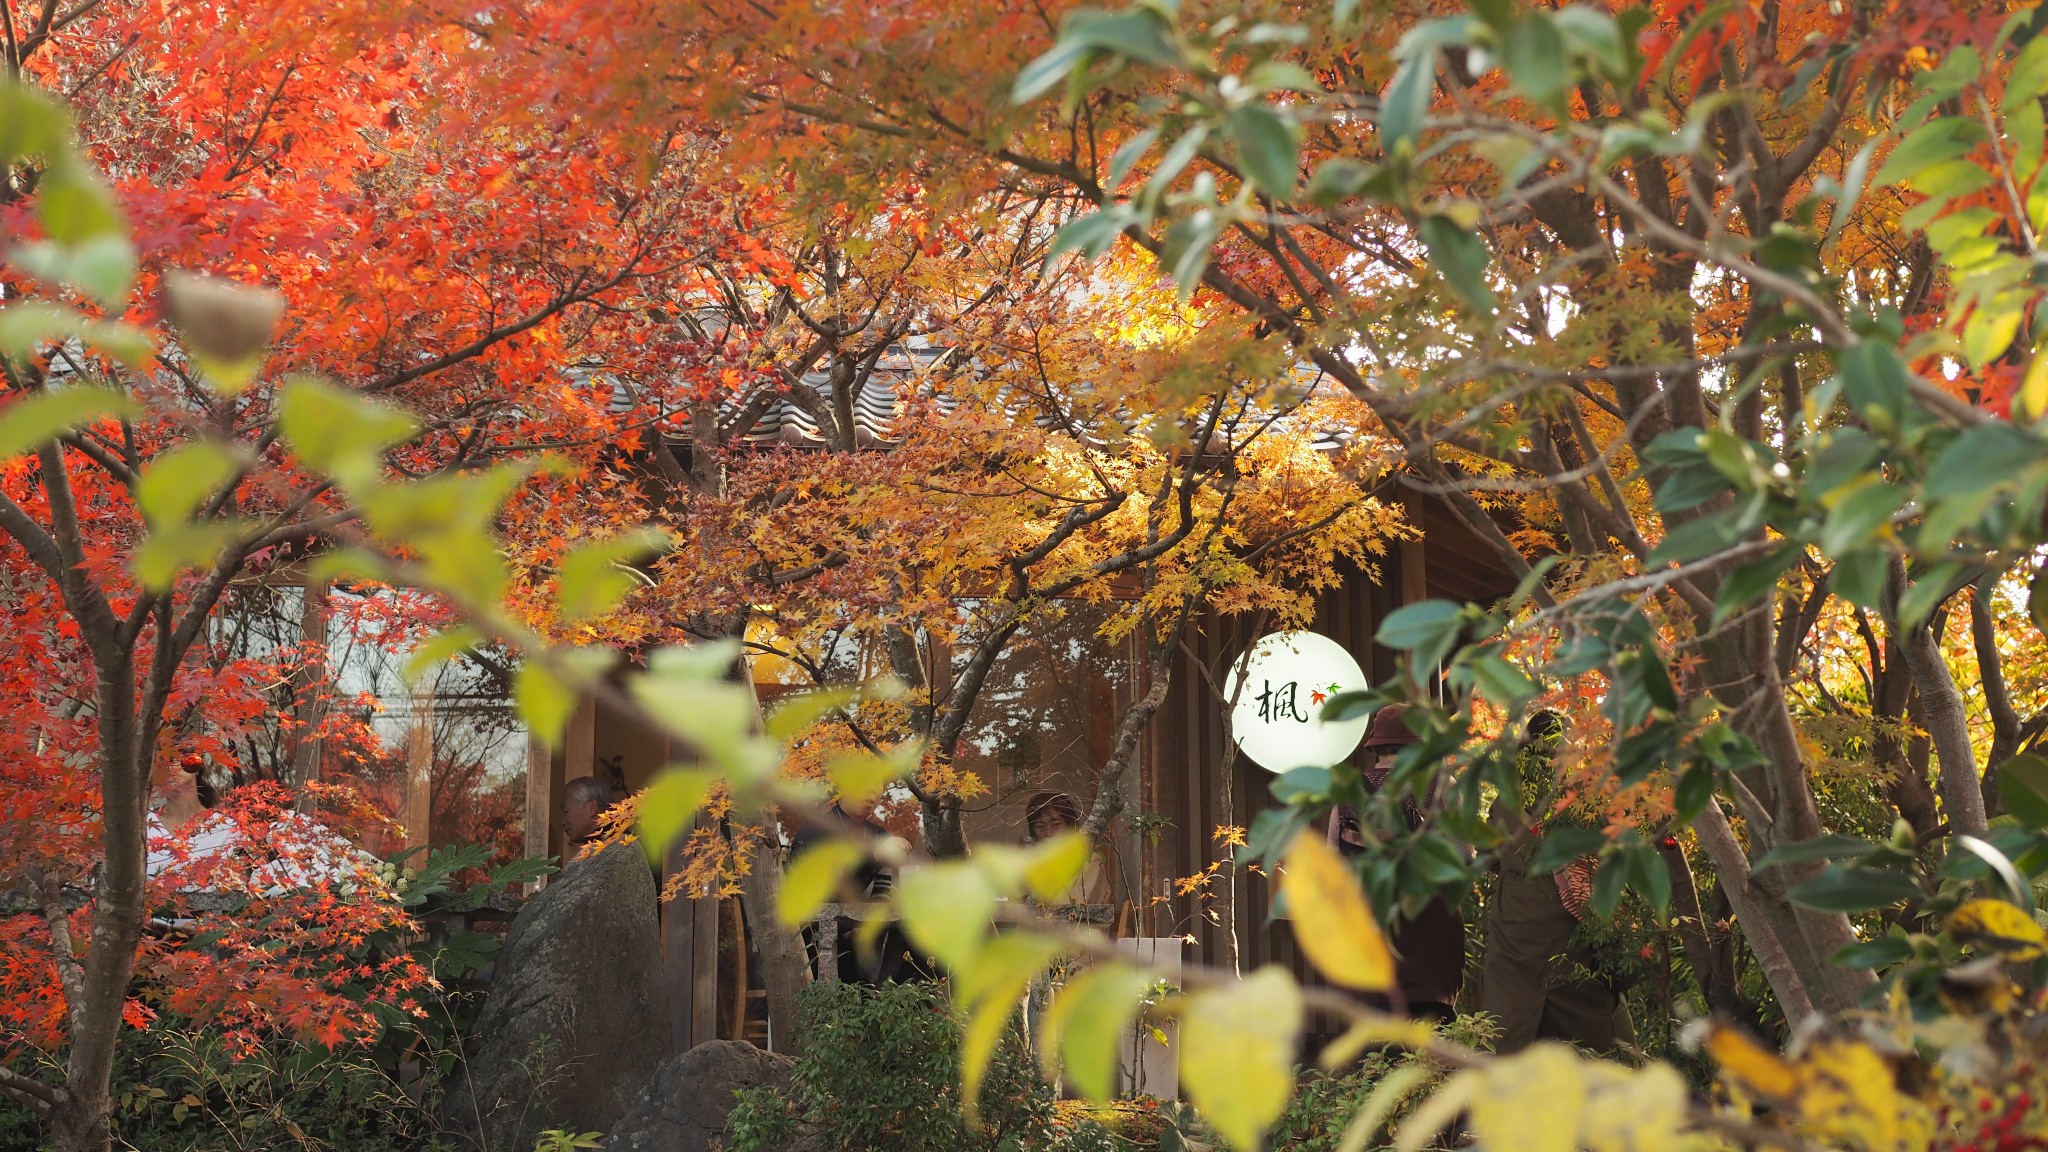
x=1429, y=947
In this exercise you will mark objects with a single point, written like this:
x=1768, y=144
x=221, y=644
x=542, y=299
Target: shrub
x=880, y=1069
x=1325, y=1102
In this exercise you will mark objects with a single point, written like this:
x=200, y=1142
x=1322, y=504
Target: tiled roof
x=879, y=401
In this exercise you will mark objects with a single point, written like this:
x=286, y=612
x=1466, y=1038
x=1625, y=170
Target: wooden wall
x=1186, y=760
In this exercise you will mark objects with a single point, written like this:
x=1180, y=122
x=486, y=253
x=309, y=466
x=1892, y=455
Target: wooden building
x=1175, y=801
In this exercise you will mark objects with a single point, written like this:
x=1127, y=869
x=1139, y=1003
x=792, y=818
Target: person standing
x=1429, y=948
x=1534, y=979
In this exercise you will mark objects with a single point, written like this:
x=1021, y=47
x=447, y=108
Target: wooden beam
x=419, y=769
x=579, y=743
x=540, y=800
x=678, y=954
x=704, y=969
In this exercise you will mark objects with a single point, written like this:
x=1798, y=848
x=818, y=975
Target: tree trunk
x=1770, y=949
x=2005, y=719
x=785, y=971
x=1943, y=712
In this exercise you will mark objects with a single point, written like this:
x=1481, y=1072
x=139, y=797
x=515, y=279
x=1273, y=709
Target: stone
x=577, y=1016
x=684, y=1107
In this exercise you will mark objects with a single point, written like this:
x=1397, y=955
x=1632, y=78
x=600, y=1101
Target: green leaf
x=1875, y=382
x=1829, y=847
x=593, y=578
x=1752, y=584
x=794, y=714
x=1268, y=148
x=670, y=804
x=1854, y=890
x=1237, y=1052
x=684, y=691
x=813, y=878
x=29, y=324
x=1869, y=954
x=1085, y=1027
x=2023, y=789
x=1930, y=144
x=2029, y=75
x=437, y=650
x=2017, y=889
x=76, y=208
x=1651, y=879
x=1859, y=577
x=1561, y=846
x=1533, y=52
x=946, y=910
x=1421, y=624
x=104, y=268
x=1405, y=104
x=1126, y=158
x=1854, y=518
x=1596, y=35
x=1699, y=538
x=1338, y=179
x=177, y=482
x=1927, y=590
x=1094, y=233
x=31, y=124
x=175, y=548
x=1052, y=866
x=1047, y=70
x=1282, y=76
x=1503, y=683
x=1351, y=705
x=862, y=775
x=1988, y=456
x=1178, y=156
x=545, y=703
x=1461, y=258
x=28, y=424
x=1609, y=884
x=1185, y=250
x=992, y=988
x=1136, y=33
x=341, y=433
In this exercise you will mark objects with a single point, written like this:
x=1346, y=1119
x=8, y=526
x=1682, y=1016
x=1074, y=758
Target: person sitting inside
x=584, y=800
x=1051, y=814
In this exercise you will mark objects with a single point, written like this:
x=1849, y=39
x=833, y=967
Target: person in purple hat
x=1430, y=947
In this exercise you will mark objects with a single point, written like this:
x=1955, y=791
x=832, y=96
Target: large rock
x=577, y=1017
x=683, y=1108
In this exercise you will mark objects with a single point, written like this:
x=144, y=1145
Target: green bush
x=177, y=1088
x=880, y=1069
x=1325, y=1102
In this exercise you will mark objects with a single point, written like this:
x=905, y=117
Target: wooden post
x=540, y=800
x=704, y=973
x=419, y=769
x=579, y=744
x=678, y=954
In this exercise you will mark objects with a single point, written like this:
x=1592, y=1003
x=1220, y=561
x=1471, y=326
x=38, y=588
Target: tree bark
x=1771, y=951
x=785, y=971
x=1943, y=712
x=2005, y=719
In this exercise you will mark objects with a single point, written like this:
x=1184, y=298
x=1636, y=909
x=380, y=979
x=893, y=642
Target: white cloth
x=216, y=853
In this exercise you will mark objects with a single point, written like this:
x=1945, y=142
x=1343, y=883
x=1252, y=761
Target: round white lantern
x=1288, y=677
